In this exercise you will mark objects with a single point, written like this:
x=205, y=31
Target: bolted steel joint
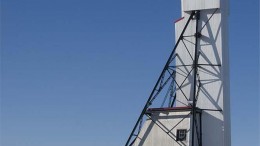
x=198, y=35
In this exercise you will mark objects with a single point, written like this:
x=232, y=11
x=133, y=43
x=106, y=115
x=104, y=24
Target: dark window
x=181, y=134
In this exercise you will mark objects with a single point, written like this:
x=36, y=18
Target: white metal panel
x=152, y=135
x=184, y=58
x=189, y=5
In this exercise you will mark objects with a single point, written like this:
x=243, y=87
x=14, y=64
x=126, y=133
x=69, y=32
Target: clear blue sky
x=78, y=72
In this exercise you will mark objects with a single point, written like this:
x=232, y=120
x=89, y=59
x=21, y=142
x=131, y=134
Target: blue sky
x=77, y=73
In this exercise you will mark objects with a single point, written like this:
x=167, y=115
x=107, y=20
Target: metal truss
x=167, y=78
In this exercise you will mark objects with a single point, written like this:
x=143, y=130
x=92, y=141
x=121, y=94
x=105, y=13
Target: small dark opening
x=181, y=134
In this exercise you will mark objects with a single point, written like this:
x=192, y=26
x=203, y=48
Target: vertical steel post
x=200, y=130
x=195, y=64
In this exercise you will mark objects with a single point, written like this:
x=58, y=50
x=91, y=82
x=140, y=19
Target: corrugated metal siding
x=189, y=5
